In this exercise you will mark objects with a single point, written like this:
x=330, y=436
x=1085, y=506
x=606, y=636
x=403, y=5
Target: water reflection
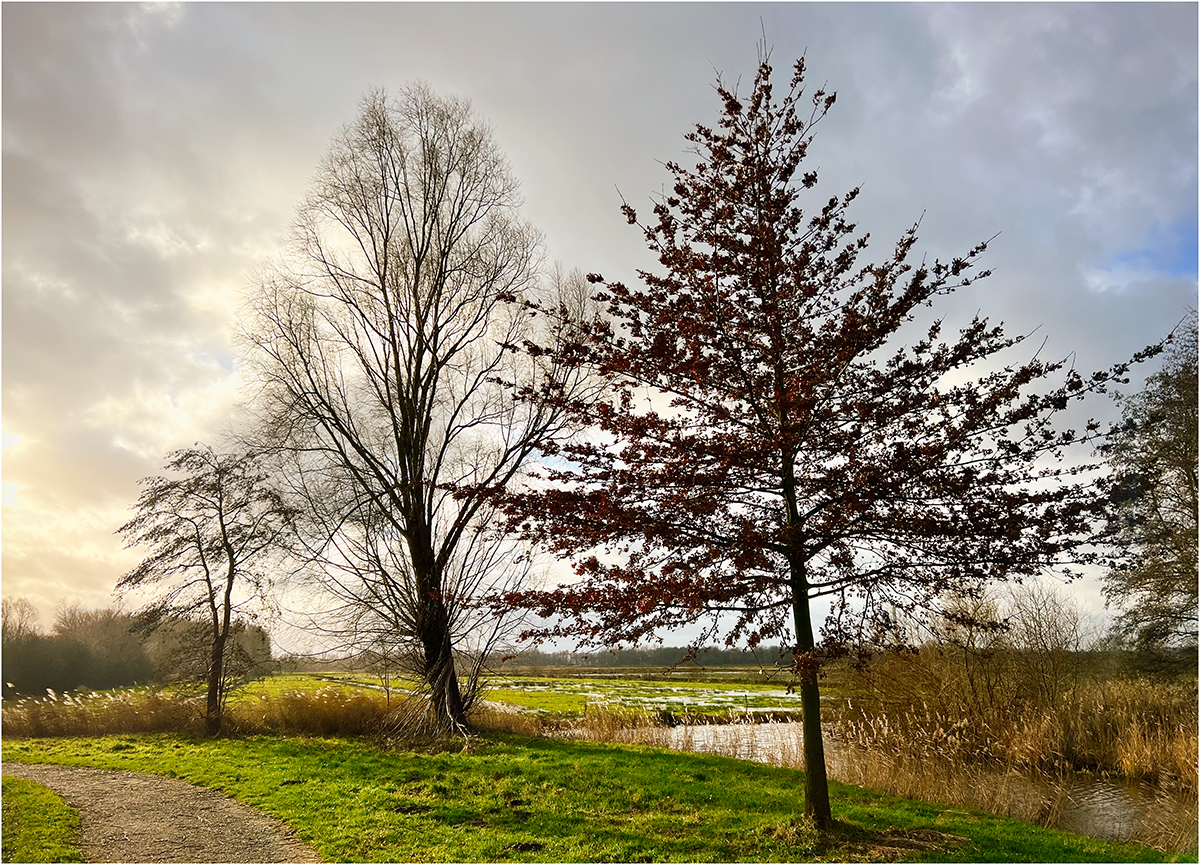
x=1078, y=803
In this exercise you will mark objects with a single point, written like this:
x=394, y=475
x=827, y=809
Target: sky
x=154, y=155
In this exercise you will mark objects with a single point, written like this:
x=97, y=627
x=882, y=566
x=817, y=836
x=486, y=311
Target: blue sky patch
x=1170, y=249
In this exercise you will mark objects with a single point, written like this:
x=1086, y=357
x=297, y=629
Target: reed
x=1134, y=729
x=95, y=714
x=322, y=712
x=327, y=711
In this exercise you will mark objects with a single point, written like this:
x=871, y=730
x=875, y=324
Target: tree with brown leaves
x=771, y=439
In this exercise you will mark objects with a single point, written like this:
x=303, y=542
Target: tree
x=116, y=654
x=20, y=618
x=386, y=347
x=178, y=650
x=770, y=439
x=213, y=531
x=88, y=648
x=1154, y=516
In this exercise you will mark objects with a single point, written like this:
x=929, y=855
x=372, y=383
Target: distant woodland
x=108, y=649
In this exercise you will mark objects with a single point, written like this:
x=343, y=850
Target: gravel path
x=135, y=817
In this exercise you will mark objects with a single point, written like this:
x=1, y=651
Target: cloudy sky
x=153, y=155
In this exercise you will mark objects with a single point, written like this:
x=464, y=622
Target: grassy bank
x=516, y=799
x=37, y=825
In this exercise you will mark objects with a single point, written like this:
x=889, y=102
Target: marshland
x=1109, y=756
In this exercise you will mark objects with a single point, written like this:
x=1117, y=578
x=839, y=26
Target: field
x=518, y=782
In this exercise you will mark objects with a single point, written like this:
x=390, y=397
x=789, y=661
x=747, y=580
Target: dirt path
x=134, y=817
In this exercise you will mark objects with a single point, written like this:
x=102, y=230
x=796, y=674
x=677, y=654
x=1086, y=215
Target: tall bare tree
x=20, y=618
x=212, y=529
x=386, y=342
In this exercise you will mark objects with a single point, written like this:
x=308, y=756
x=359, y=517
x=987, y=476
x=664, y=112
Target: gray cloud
x=153, y=156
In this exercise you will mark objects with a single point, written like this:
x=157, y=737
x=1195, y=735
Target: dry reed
x=325, y=712
x=1137, y=730
x=329, y=711
x=94, y=714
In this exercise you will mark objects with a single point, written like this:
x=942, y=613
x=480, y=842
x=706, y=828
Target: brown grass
x=1134, y=729
x=327, y=711
x=130, y=711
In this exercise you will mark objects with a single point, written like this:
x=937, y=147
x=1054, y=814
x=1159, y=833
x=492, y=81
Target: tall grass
x=330, y=710
x=1139, y=730
x=96, y=714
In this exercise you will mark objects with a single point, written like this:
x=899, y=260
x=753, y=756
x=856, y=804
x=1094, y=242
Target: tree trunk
x=433, y=631
x=433, y=624
x=816, y=781
x=441, y=680
x=216, y=670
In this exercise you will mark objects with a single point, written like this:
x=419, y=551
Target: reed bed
x=325, y=711
x=1135, y=730
x=96, y=714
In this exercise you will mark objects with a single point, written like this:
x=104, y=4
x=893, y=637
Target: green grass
x=37, y=825
x=281, y=683
x=518, y=799
x=562, y=696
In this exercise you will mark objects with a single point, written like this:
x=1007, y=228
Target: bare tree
x=1155, y=513
x=20, y=618
x=392, y=389
x=211, y=530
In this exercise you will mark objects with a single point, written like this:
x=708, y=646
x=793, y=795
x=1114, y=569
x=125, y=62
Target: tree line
x=105, y=648
x=765, y=421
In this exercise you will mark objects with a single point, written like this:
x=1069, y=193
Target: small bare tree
x=1049, y=634
x=212, y=530
x=386, y=343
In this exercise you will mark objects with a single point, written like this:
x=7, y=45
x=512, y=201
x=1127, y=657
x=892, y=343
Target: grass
x=1135, y=729
x=37, y=825
x=506, y=798
x=713, y=700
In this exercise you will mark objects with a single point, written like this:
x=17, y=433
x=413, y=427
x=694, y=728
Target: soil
x=135, y=817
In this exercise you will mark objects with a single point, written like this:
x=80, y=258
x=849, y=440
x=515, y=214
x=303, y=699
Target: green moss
x=37, y=825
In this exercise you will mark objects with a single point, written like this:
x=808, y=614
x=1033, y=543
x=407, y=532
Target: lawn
x=518, y=799
x=37, y=825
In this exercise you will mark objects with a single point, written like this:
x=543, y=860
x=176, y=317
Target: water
x=1078, y=803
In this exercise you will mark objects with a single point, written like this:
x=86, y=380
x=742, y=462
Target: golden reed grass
x=94, y=714
x=1133, y=729
x=324, y=712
